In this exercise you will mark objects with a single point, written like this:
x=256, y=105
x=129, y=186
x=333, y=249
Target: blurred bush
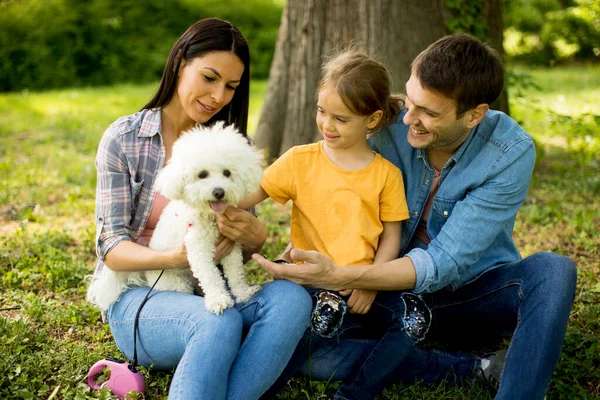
x=548, y=31
x=61, y=43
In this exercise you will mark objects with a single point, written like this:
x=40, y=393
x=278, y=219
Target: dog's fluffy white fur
x=210, y=168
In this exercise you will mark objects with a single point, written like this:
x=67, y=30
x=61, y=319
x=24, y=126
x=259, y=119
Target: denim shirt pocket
x=441, y=210
x=136, y=190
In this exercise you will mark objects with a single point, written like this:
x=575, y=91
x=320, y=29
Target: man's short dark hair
x=462, y=68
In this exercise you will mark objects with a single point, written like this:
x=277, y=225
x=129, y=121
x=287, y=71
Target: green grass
x=47, y=186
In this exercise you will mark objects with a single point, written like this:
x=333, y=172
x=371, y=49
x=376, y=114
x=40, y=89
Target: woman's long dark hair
x=205, y=36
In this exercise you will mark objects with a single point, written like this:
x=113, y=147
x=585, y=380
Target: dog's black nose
x=218, y=193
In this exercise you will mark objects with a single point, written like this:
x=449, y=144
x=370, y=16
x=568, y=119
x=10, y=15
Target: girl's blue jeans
x=234, y=355
x=529, y=301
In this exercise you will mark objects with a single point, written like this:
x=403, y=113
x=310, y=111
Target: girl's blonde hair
x=363, y=84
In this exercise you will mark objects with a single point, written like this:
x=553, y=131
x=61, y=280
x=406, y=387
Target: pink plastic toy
x=124, y=378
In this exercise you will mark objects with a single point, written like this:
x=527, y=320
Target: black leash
x=137, y=318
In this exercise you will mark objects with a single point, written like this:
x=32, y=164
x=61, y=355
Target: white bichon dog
x=210, y=169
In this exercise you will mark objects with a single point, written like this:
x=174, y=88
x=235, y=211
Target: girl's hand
x=360, y=300
x=242, y=227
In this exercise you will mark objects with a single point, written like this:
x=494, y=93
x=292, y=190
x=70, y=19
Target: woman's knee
x=167, y=330
x=289, y=294
x=227, y=326
x=285, y=298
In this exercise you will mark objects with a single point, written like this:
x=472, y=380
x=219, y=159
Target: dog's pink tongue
x=218, y=206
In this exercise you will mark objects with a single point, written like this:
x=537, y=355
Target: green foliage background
x=69, y=43
x=66, y=43
x=549, y=31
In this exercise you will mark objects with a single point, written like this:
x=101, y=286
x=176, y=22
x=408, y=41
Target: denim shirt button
x=445, y=213
x=415, y=213
x=427, y=181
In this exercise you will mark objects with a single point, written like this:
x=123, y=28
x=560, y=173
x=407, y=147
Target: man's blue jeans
x=365, y=350
x=529, y=300
x=234, y=355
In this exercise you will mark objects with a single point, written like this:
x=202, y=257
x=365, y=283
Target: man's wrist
x=342, y=277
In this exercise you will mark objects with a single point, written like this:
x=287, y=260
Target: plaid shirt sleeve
x=113, y=194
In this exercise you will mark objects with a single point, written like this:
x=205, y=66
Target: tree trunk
x=393, y=31
x=492, y=15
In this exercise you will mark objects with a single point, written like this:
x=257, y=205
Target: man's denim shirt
x=473, y=214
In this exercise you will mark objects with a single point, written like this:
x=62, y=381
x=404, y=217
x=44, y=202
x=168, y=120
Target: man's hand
x=286, y=254
x=360, y=300
x=315, y=270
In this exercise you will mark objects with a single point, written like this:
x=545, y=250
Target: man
x=466, y=170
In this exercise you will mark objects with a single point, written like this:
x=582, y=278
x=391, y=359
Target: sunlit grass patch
x=566, y=112
x=561, y=212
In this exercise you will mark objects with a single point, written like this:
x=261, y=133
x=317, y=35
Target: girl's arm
x=388, y=249
x=253, y=199
x=389, y=243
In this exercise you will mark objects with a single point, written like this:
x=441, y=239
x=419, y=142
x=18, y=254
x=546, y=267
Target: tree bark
x=393, y=31
x=492, y=15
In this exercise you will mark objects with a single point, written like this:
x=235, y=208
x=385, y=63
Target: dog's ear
x=169, y=182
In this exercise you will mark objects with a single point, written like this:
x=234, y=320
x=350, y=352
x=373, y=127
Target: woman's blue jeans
x=234, y=355
x=529, y=300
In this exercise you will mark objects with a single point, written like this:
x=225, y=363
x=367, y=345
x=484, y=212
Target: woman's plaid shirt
x=129, y=157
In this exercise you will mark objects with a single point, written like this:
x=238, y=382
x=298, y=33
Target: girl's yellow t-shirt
x=336, y=212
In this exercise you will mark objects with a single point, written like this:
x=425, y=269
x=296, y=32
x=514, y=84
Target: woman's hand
x=178, y=257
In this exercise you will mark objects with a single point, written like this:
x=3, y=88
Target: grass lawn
x=47, y=187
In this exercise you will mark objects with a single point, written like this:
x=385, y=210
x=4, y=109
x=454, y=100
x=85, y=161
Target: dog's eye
x=227, y=173
x=203, y=174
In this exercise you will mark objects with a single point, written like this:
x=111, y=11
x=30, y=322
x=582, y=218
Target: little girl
x=348, y=201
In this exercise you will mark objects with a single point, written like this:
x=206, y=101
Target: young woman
x=206, y=79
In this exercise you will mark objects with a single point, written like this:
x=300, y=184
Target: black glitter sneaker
x=328, y=313
x=493, y=372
